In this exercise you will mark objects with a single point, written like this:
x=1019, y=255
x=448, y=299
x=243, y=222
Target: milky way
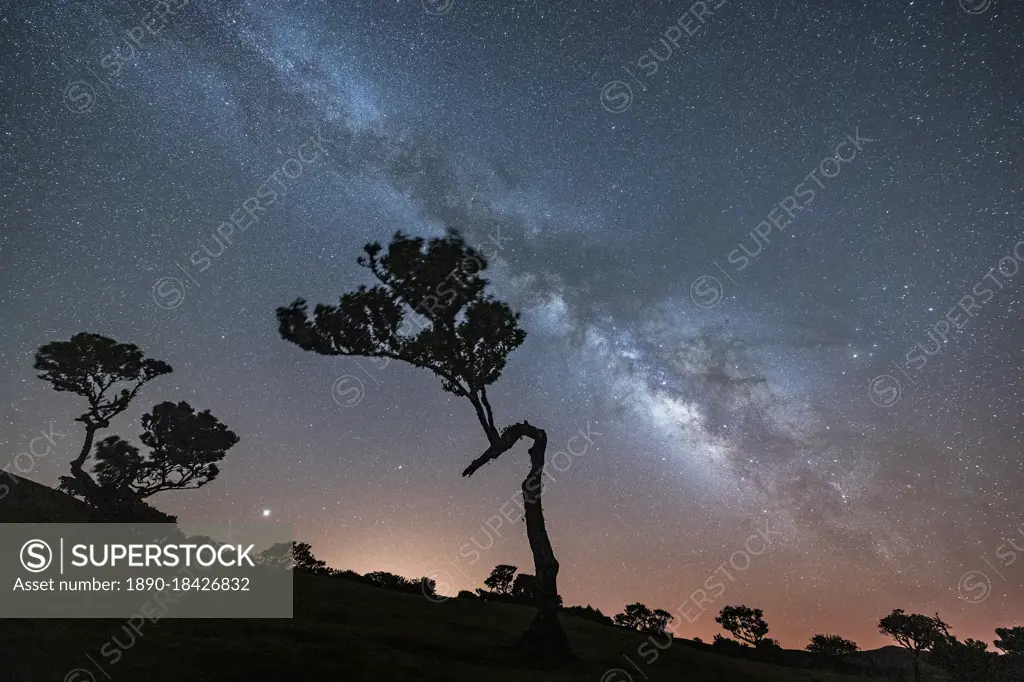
x=741, y=241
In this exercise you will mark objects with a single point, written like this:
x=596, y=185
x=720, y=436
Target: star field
x=714, y=398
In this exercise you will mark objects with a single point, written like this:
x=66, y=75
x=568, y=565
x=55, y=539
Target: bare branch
x=505, y=442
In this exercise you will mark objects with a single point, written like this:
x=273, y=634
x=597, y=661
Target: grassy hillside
x=26, y=501
x=347, y=631
x=341, y=630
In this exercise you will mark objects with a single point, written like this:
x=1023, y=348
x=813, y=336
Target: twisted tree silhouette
x=429, y=309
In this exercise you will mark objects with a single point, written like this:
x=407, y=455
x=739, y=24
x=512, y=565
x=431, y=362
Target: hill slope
x=26, y=501
x=341, y=630
x=353, y=632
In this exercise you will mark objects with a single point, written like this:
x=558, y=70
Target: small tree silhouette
x=500, y=579
x=832, y=645
x=634, y=616
x=745, y=623
x=915, y=632
x=108, y=375
x=464, y=336
x=386, y=580
x=302, y=554
x=638, y=617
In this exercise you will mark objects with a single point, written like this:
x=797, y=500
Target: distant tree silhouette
x=464, y=336
x=465, y=594
x=634, y=616
x=524, y=588
x=299, y=556
x=744, y=623
x=302, y=554
x=278, y=555
x=914, y=632
x=1011, y=640
x=658, y=621
x=638, y=617
x=398, y=583
x=832, y=645
x=388, y=581
x=294, y=555
x=500, y=579
x=108, y=375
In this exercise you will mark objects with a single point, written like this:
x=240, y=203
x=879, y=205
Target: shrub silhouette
x=638, y=617
x=295, y=555
x=832, y=645
x=500, y=579
x=726, y=644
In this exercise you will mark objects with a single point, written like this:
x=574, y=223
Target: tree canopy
x=428, y=309
x=639, y=617
x=915, y=632
x=185, y=447
x=106, y=373
x=501, y=578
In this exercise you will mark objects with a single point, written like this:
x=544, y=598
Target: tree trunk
x=111, y=506
x=90, y=487
x=545, y=634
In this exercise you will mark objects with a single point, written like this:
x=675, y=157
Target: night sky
x=753, y=333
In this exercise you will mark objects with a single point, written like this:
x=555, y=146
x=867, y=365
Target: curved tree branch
x=505, y=442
